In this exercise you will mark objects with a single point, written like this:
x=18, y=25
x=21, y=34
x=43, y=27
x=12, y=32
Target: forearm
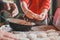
x=24, y=6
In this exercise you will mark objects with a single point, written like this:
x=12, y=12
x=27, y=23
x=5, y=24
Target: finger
x=6, y=38
x=40, y=18
x=37, y=18
x=7, y=34
x=10, y=35
x=29, y=15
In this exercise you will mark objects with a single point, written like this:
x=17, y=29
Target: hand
x=6, y=36
x=13, y=9
x=42, y=16
x=39, y=17
x=32, y=15
x=29, y=14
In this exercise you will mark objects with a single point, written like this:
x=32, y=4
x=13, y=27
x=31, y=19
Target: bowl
x=20, y=27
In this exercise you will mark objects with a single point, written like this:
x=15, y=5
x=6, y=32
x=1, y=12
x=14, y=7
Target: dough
x=53, y=34
x=41, y=34
x=32, y=36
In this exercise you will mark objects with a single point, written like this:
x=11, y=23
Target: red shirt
x=37, y=6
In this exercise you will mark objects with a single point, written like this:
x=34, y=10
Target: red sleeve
x=46, y=4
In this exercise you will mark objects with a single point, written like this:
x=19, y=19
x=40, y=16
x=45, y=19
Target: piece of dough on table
x=43, y=28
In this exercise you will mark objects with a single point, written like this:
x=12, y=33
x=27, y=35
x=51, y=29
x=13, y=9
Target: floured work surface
x=38, y=35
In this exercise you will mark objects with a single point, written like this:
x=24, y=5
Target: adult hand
x=6, y=36
x=39, y=17
x=12, y=8
x=42, y=15
x=31, y=14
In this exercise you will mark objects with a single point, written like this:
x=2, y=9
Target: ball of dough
x=41, y=34
x=20, y=35
x=53, y=34
x=32, y=36
x=52, y=37
x=42, y=39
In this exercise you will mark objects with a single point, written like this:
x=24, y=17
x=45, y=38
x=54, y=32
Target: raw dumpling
x=41, y=34
x=32, y=36
x=53, y=34
x=21, y=35
x=52, y=37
